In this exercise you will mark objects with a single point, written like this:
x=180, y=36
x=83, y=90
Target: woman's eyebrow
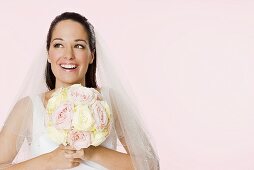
x=81, y=40
x=57, y=39
x=74, y=40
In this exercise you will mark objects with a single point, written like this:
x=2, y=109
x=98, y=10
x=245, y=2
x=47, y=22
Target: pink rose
x=100, y=115
x=79, y=139
x=62, y=117
x=83, y=95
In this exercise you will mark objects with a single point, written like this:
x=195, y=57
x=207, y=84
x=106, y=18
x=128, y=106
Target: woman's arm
x=110, y=159
x=35, y=163
x=57, y=159
x=14, y=130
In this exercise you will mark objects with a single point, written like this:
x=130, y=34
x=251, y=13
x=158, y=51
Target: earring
x=49, y=60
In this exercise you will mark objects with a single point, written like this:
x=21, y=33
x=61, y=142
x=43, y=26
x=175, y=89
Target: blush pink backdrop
x=190, y=64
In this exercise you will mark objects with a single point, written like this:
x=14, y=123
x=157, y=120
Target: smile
x=68, y=66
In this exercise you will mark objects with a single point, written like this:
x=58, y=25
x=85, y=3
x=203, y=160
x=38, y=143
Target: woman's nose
x=69, y=53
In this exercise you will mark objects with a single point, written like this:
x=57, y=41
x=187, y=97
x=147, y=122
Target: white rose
x=99, y=137
x=82, y=118
x=58, y=136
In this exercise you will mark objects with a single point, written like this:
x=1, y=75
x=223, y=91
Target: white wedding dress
x=41, y=144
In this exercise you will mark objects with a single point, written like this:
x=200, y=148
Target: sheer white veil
x=19, y=123
x=128, y=121
x=115, y=89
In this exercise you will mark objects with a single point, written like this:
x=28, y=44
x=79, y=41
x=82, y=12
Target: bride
x=74, y=56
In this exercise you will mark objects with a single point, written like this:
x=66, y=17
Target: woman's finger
x=68, y=147
x=68, y=156
x=76, y=164
x=74, y=157
x=77, y=160
x=79, y=154
x=69, y=151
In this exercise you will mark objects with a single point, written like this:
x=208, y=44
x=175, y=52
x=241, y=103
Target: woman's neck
x=62, y=84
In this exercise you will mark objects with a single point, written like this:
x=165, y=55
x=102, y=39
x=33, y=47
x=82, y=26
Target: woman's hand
x=62, y=158
x=83, y=154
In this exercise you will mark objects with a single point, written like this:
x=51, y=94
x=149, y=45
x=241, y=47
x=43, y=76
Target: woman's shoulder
x=24, y=100
x=22, y=106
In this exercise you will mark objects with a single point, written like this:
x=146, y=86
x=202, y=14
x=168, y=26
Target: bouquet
x=77, y=116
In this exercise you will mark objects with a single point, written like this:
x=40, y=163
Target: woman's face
x=69, y=53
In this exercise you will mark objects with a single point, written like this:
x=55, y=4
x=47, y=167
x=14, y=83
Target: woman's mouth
x=68, y=67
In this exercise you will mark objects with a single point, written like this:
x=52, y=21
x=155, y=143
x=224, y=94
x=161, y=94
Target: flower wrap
x=77, y=116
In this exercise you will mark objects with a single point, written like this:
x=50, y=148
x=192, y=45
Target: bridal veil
x=115, y=89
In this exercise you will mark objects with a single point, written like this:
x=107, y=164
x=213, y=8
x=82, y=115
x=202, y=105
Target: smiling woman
x=72, y=59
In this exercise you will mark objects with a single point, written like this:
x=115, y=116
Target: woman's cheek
x=81, y=54
x=56, y=53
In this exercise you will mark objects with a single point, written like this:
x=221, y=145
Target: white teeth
x=68, y=66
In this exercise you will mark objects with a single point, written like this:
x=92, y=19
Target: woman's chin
x=69, y=81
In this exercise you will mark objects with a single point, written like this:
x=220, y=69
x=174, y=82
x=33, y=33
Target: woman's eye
x=79, y=46
x=58, y=45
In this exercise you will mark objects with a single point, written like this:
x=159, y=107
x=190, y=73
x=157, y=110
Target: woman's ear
x=92, y=57
x=49, y=60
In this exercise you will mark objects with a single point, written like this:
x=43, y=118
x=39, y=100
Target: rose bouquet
x=77, y=116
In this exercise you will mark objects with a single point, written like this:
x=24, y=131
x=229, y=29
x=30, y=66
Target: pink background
x=190, y=64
